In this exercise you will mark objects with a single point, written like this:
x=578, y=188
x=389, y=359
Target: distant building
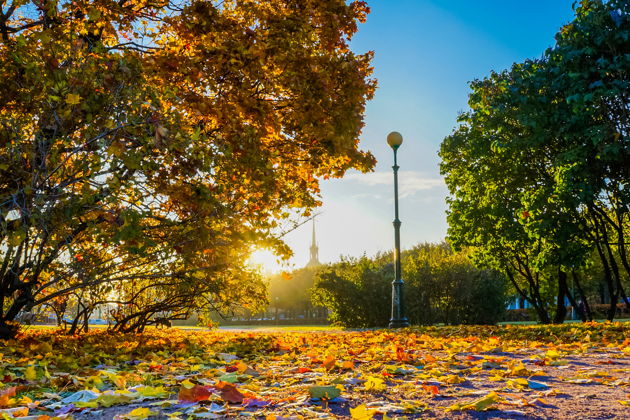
x=314, y=261
x=518, y=302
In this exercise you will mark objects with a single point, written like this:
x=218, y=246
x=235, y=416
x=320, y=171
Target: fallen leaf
x=431, y=388
x=454, y=379
x=329, y=362
x=361, y=412
x=482, y=404
x=537, y=385
x=254, y=402
x=6, y=395
x=230, y=393
x=374, y=384
x=347, y=364
x=520, y=370
x=324, y=392
x=194, y=394
x=152, y=392
x=13, y=412
x=139, y=413
x=30, y=374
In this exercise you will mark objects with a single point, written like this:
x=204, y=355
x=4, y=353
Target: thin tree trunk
x=587, y=308
x=612, y=291
x=536, y=303
x=561, y=308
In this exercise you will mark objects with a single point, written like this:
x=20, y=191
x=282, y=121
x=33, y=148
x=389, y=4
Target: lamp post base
x=398, y=323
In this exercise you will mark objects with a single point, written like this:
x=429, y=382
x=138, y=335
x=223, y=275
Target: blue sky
x=426, y=52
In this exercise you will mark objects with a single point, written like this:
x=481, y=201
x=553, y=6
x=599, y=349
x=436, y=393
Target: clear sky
x=426, y=52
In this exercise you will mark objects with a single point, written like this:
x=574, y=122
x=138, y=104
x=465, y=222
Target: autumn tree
x=151, y=142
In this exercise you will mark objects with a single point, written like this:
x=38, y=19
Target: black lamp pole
x=398, y=319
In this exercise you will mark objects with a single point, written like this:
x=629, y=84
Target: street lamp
x=398, y=319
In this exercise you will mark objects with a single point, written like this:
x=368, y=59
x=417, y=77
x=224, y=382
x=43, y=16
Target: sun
x=266, y=261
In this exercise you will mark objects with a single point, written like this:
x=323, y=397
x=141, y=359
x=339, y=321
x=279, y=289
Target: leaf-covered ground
x=569, y=371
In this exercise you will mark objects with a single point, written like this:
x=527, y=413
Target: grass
x=296, y=328
x=288, y=328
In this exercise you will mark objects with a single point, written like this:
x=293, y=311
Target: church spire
x=314, y=261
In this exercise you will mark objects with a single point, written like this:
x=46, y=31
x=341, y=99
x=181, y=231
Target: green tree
x=486, y=210
x=591, y=62
x=536, y=169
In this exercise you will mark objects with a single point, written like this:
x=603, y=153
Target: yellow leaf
x=95, y=381
x=520, y=370
x=187, y=384
x=518, y=383
x=454, y=379
x=86, y=404
x=117, y=380
x=108, y=398
x=374, y=384
x=412, y=407
x=241, y=367
x=552, y=354
x=139, y=413
x=481, y=404
x=30, y=373
x=362, y=413
x=153, y=392
x=73, y=99
x=24, y=400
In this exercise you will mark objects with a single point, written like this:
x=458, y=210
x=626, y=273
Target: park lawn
x=566, y=371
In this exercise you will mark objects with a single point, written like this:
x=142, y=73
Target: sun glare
x=266, y=261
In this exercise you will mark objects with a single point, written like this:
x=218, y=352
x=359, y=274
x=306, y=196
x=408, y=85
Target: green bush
x=440, y=287
x=356, y=291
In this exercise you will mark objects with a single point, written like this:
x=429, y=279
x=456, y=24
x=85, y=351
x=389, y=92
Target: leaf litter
x=568, y=371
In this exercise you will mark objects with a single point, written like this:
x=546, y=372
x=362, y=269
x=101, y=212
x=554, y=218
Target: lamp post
x=398, y=319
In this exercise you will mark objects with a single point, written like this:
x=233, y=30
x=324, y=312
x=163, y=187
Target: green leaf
x=324, y=392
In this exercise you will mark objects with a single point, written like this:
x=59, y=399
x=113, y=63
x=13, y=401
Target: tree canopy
x=538, y=168
x=145, y=145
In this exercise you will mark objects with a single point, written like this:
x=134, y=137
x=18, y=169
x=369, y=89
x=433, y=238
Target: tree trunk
x=577, y=308
x=563, y=290
x=613, y=294
x=7, y=331
x=542, y=313
x=588, y=315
